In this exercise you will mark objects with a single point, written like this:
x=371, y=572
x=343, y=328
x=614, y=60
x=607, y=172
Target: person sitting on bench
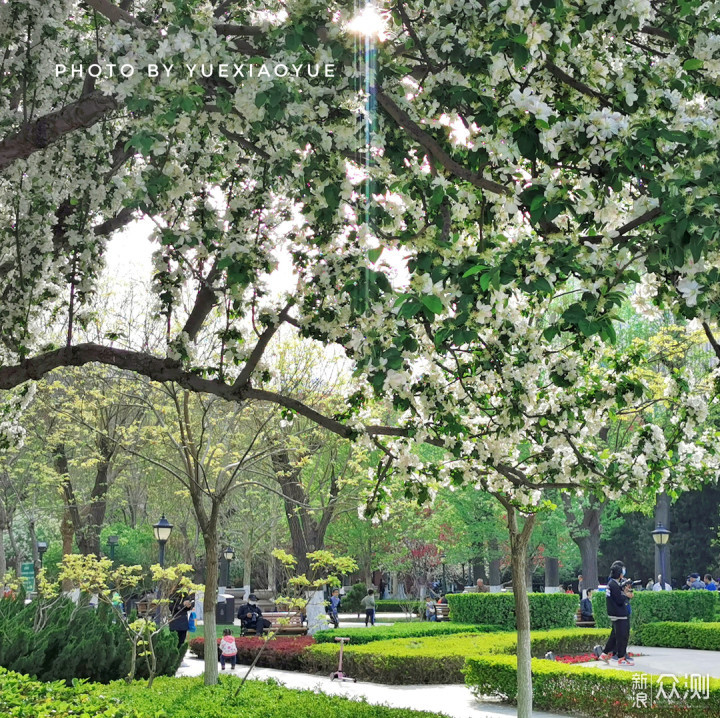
x=251, y=616
x=586, y=607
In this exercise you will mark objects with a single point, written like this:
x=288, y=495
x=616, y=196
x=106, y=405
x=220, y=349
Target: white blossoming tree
x=525, y=161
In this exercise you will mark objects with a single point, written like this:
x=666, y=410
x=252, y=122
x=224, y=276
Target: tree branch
x=205, y=300
x=433, y=147
x=54, y=126
x=113, y=12
x=581, y=87
x=259, y=349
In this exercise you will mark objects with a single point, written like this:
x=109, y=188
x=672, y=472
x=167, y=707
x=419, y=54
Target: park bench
x=583, y=624
x=146, y=608
x=442, y=611
x=282, y=623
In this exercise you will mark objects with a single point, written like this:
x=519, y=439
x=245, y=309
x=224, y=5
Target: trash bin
x=225, y=610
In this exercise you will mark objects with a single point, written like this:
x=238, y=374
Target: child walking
x=368, y=603
x=228, y=649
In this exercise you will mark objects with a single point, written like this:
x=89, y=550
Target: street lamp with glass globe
x=162, y=529
x=661, y=536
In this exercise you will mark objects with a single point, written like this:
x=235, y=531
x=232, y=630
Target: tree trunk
x=552, y=575
x=589, y=547
x=67, y=532
x=3, y=559
x=17, y=558
x=586, y=534
x=247, y=568
x=35, y=552
x=519, y=541
x=494, y=577
x=210, y=539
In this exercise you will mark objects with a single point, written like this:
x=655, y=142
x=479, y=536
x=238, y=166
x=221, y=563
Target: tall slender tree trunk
x=210, y=539
x=247, y=567
x=519, y=542
x=3, y=558
x=17, y=558
x=67, y=533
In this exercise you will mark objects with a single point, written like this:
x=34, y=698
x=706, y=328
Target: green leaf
x=260, y=99
x=374, y=254
x=433, y=303
x=692, y=64
x=474, y=270
x=485, y=281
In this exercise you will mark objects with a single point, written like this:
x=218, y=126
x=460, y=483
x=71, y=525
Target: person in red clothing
x=228, y=649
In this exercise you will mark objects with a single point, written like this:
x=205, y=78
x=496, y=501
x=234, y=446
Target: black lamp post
x=661, y=536
x=41, y=548
x=112, y=543
x=228, y=555
x=444, y=581
x=162, y=529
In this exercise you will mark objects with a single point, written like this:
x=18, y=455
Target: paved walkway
x=455, y=700
x=668, y=661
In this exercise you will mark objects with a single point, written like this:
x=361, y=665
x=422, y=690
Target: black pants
x=181, y=637
x=619, y=635
x=259, y=626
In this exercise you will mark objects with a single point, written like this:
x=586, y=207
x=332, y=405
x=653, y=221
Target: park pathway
x=455, y=700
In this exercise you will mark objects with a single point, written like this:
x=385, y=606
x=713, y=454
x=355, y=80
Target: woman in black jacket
x=617, y=600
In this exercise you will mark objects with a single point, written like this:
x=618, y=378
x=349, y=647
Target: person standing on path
x=335, y=607
x=617, y=601
x=368, y=603
x=228, y=649
x=179, y=618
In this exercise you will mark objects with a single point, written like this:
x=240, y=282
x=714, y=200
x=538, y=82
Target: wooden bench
x=583, y=624
x=146, y=609
x=442, y=611
x=281, y=622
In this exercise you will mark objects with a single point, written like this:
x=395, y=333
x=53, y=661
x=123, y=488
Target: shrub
x=547, y=610
x=394, y=606
x=438, y=659
x=360, y=636
x=580, y=691
x=22, y=697
x=350, y=602
x=283, y=652
x=655, y=606
x=704, y=636
x=75, y=642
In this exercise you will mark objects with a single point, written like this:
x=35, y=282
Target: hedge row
x=547, y=610
x=655, y=606
x=393, y=606
x=669, y=634
x=23, y=697
x=284, y=652
x=361, y=636
x=576, y=690
x=438, y=659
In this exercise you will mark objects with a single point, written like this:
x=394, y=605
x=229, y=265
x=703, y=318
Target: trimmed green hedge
x=669, y=634
x=547, y=610
x=655, y=606
x=361, y=636
x=24, y=697
x=438, y=659
x=392, y=606
x=577, y=690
